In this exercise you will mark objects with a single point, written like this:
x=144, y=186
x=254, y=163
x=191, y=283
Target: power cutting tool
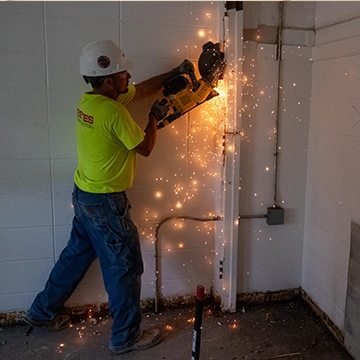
x=184, y=92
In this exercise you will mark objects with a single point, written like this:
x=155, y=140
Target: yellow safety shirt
x=106, y=137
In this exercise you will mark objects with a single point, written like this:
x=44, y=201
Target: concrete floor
x=273, y=331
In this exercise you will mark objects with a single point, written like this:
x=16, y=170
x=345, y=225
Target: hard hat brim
x=128, y=66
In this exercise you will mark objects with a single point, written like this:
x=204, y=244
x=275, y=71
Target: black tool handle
x=199, y=302
x=163, y=102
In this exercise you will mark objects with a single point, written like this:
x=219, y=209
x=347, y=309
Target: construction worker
x=108, y=140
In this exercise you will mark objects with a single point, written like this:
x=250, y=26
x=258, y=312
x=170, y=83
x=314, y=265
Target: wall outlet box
x=275, y=215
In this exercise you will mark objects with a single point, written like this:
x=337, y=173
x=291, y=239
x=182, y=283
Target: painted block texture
x=332, y=196
x=40, y=90
x=279, y=246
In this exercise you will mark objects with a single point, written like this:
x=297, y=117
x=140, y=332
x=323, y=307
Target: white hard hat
x=102, y=58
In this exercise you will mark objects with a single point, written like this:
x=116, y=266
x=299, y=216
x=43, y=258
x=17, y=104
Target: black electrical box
x=275, y=215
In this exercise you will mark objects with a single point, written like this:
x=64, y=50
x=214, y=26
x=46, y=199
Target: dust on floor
x=273, y=331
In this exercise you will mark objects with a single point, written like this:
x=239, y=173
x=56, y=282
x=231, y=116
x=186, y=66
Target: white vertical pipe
x=229, y=251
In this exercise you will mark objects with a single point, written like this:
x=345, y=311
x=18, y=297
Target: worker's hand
x=184, y=68
x=159, y=110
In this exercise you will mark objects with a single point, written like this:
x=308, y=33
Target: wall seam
x=48, y=128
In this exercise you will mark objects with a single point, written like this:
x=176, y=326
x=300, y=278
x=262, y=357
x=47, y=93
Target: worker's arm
x=155, y=84
x=146, y=146
x=152, y=85
x=157, y=113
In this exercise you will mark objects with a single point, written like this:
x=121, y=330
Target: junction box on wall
x=275, y=215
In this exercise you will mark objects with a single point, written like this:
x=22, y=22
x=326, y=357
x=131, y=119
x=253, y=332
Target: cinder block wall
x=40, y=88
x=270, y=257
x=39, y=93
x=333, y=192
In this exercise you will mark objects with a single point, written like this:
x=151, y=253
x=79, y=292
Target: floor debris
x=284, y=356
x=295, y=333
x=29, y=330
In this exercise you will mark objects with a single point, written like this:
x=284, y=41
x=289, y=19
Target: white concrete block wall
x=333, y=194
x=271, y=256
x=39, y=93
x=177, y=180
x=25, y=214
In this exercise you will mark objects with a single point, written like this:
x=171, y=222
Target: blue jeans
x=102, y=227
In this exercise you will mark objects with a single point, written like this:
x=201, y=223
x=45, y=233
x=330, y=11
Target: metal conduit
x=157, y=258
x=260, y=216
x=277, y=120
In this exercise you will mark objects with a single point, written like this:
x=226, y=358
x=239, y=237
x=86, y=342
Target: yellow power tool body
x=184, y=92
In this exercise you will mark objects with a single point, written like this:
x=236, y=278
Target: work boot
x=59, y=322
x=147, y=340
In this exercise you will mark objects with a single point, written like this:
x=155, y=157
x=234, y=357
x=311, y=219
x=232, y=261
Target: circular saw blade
x=210, y=58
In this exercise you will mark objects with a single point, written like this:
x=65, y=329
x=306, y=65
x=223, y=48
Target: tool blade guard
x=184, y=92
